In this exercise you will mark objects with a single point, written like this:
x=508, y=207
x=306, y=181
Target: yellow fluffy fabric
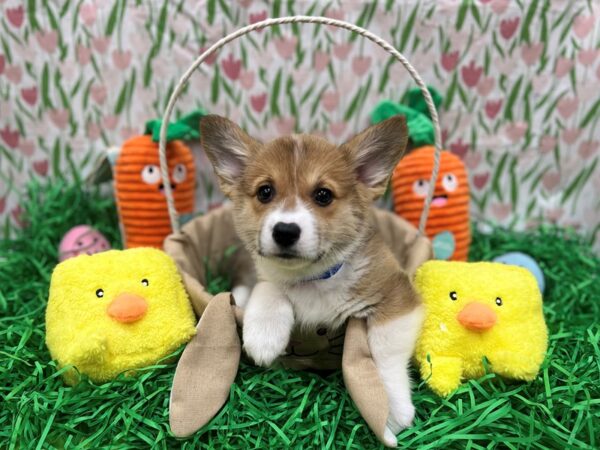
x=447, y=352
x=79, y=332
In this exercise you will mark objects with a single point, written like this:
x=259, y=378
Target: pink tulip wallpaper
x=520, y=80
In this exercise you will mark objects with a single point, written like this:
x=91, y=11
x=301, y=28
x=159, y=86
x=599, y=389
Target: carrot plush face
x=140, y=191
x=448, y=223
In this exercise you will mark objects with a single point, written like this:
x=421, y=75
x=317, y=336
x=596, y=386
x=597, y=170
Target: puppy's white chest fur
x=327, y=302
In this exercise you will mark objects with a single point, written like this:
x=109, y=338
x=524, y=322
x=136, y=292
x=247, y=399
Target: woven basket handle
x=298, y=19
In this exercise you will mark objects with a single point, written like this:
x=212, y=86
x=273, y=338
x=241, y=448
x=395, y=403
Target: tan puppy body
x=303, y=208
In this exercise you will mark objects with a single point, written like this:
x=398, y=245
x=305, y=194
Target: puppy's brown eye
x=265, y=193
x=323, y=197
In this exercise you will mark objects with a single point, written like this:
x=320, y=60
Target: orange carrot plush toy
x=140, y=192
x=139, y=186
x=448, y=224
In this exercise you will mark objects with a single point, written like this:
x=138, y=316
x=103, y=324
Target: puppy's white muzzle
x=290, y=233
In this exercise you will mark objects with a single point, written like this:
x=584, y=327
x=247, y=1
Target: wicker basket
x=208, y=366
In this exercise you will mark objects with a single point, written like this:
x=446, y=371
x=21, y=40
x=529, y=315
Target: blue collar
x=327, y=274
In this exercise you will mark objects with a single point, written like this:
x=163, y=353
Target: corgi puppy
x=303, y=209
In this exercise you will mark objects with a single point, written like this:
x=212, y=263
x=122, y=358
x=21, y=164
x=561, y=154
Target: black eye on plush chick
x=99, y=293
x=498, y=301
x=265, y=193
x=453, y=296
x=323, y=196
x=145, y=282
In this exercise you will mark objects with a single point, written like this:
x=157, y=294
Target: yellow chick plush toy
x=116, y=311
x=476, y=310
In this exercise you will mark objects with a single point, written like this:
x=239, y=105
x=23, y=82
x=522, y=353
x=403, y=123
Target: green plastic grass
x=270, y=409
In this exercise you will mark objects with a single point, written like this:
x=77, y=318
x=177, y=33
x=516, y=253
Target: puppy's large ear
x=228, y=147
x=376, y=151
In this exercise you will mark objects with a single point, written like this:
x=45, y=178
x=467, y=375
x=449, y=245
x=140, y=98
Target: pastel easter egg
x=525, y=261
x=80, y=240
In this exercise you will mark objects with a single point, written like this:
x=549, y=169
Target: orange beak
x=477, y=317
x=127, y=308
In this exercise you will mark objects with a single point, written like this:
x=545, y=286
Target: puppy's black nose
x=286, y=234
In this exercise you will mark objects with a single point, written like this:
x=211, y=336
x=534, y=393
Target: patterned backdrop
x=520, y=80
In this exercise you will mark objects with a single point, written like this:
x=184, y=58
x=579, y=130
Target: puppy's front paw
x=241, y=294
x=266, y=337
x=389, y=438
x=401, y=415
x=268, y=323
x=264, y=342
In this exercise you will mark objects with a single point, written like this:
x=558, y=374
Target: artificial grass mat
x=270, y=409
